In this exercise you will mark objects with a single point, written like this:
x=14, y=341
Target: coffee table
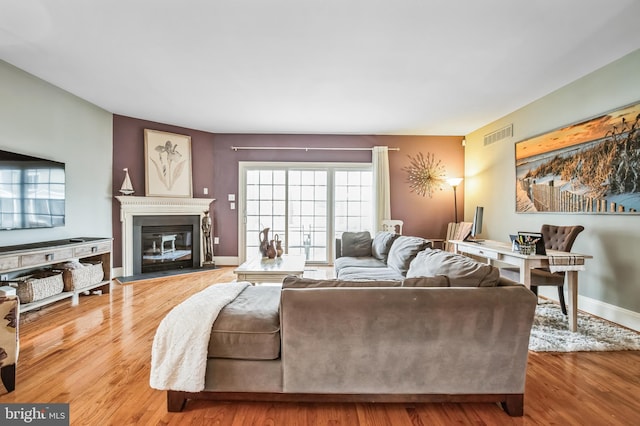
x=265, y=270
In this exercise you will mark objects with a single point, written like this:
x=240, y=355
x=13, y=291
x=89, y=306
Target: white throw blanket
x=179, y=352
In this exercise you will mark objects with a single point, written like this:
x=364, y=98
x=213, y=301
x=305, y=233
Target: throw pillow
x=356, y=244
x=382, y=244
x=404, y=250
x=462, y=271
x=439, y=281
x=295, y=282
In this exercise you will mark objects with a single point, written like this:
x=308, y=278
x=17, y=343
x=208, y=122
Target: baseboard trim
x=226, y=260
x=613, y=313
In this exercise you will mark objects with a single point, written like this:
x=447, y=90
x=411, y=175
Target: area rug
x=550, y=333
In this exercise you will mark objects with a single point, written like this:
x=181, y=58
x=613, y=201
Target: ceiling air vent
x=498, y=135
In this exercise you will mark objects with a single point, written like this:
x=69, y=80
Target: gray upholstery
x=356, y=244
x=461, y=270
x=437, y=281
x=249, y=326
x=406, y=340
x=404, y=250
x=382, y=244
x=361, y=262
x=354, y=273
x=239, y=375
x=295, y=282
x=389, y=257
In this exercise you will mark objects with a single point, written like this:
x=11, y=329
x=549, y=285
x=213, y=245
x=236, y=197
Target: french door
x=305, y=205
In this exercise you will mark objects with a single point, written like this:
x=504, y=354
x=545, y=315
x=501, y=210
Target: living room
x=38, y=118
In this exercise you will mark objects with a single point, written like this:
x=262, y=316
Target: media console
x=19, y=259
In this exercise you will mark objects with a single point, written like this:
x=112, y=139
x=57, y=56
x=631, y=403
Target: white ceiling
x=430, y=67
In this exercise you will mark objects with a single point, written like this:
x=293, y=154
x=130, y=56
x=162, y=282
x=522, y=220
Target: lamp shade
x=455, y=181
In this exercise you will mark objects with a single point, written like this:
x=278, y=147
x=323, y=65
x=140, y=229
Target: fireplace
x=162, y=243
x=161, y=212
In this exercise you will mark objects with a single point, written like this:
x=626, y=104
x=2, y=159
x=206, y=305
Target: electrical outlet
x=216, y=240
x=4, y=277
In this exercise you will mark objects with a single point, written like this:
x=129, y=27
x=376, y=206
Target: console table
x=496, y=251
x=15, y=260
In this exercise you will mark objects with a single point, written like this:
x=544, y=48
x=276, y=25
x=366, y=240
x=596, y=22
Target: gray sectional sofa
x=387, y=256
x=450, y=330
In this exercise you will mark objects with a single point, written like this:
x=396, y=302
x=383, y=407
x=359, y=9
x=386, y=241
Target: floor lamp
x=454, y=182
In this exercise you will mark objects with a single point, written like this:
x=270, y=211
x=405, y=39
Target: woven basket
x=39, y=285
x=78, y=275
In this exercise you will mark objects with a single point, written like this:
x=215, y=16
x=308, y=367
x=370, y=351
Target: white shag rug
x=550, y=333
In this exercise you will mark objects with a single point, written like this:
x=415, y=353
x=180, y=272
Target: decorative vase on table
x=271, y=250
x=264, y=241
x=278, y=241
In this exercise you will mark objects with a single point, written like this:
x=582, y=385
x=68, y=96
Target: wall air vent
x=498, y=135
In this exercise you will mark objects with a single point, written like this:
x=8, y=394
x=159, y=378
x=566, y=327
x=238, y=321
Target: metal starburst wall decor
x=425, y=175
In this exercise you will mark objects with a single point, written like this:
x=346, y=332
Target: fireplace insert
x=162, y=243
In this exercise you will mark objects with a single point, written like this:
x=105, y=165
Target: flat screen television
x=32, y=192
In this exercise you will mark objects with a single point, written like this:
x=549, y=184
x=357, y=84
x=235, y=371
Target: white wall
x=610, y=286
x=39, y=119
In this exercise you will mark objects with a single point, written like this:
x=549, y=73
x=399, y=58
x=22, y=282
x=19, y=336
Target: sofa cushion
x=356, y=244
x=362, y=262
x=403, y=250
x=249, y=326
x=438, y=281
x=382, y=244
x=355, y=273
x=295, y=282
x=461, y=271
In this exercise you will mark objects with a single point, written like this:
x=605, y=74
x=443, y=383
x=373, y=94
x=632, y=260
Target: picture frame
x=592, y=166
x=167, y=164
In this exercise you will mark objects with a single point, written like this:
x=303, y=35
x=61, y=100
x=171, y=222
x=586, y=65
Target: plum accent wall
x=215, y=166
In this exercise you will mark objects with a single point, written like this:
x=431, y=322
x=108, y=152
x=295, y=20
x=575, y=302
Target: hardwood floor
x=96, y=357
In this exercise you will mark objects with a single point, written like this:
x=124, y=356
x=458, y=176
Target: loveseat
x=459, y=333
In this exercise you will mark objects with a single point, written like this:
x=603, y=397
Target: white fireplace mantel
x=131, y=206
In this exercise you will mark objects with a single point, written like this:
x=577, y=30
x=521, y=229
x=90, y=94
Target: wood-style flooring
x=96, y=357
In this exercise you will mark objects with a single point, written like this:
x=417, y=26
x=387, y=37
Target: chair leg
x=563, y=305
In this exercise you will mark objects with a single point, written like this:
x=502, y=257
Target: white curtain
x=381, y=186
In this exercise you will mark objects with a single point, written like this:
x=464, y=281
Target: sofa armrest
x=338, y=247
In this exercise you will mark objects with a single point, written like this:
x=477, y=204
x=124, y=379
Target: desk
x=495, y=251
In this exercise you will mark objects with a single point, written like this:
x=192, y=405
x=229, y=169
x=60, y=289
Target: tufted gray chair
x=555, y=238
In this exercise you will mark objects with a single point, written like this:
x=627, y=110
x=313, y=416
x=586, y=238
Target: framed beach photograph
x=588, y=167
x=167, y=164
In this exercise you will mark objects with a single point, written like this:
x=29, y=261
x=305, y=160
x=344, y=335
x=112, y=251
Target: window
x=307, y=205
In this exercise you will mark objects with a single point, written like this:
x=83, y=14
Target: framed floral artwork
x=167, y=164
